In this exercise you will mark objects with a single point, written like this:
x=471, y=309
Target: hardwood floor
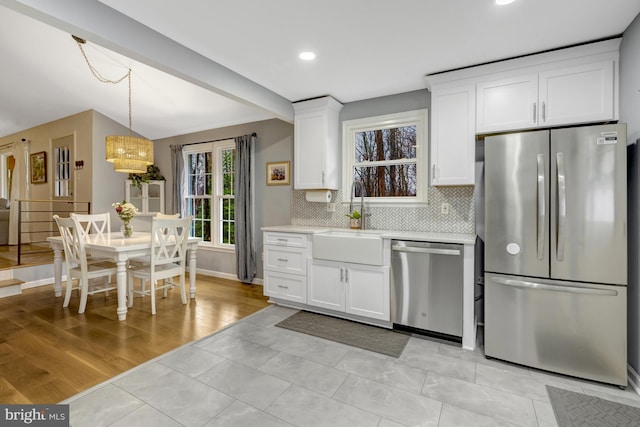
x=49, y=353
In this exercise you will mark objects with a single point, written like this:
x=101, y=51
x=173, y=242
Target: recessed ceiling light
x=307, y=56
x=503, y=2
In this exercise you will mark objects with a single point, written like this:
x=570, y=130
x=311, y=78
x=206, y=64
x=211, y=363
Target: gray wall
x=272, y=203
x=630, y=114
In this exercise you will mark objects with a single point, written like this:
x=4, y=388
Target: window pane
x=387, y=181
x=385, y=144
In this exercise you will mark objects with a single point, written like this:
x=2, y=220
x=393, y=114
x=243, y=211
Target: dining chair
x=167, y=260
x=77, y=266
x=95, y=224
x=161, y=215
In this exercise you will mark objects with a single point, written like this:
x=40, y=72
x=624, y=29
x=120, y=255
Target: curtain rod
x=215, y=140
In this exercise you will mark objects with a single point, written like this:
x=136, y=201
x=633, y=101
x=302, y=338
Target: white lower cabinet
x=357, y=289
x=285, y=266
x=285, y=286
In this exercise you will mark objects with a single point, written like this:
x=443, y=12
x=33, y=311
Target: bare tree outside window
x=210, y=199
x=385, y=161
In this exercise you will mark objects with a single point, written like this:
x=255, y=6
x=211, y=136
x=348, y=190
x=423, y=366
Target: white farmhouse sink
x=357, y=246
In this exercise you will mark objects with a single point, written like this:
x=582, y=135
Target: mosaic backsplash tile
x=461, y=218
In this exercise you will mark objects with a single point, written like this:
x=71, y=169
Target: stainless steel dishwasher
x=426, y=287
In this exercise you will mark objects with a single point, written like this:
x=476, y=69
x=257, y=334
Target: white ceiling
x=365, y=48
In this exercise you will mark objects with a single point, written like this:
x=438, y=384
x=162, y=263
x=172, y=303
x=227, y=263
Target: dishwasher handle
x=434, y=251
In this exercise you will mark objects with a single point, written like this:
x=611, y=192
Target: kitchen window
x=210, y=180
x=385, y=154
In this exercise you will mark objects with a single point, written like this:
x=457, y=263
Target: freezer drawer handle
x=401, y=248
x=562, y=206
x=541, y=205
x=563, y=288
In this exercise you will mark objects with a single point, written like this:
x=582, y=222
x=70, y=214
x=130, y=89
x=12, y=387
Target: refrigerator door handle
x=554, y=288
x=562, y=207
x=541, y=206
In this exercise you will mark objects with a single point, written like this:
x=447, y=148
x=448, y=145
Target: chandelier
x=128, y=153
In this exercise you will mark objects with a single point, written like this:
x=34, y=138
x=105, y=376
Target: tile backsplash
x=461, y=218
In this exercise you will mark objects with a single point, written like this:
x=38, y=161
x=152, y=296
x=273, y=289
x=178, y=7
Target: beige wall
x=79, y=125
x=97, y=182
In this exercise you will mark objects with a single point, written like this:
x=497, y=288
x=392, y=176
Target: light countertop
x=424, y=236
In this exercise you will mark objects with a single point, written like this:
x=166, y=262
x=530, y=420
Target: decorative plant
x=354, y=215
x=153, y=174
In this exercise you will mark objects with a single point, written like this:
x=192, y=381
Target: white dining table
x=120, y=249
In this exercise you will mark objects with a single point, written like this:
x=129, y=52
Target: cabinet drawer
x=285, y=286
x=285, y=259
x=285, y=239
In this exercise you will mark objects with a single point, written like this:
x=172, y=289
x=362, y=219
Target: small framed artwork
x=278, y=173
x=39, y=168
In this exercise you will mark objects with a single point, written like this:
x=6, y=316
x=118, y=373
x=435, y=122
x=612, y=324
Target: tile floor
x=255, y=374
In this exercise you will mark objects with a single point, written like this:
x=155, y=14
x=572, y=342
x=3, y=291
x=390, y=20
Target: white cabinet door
x=317, y=144
x=155, y=196
x=367, y=291
x=508, y=104
x=326, y=285
x=578, y=94
x=148, y=197
x=453, y=136
x=309, y=139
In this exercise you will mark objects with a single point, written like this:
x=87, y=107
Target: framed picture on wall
x=278, y=173
x=38, y=166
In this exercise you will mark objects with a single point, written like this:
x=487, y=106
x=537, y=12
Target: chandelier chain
x=102, y=79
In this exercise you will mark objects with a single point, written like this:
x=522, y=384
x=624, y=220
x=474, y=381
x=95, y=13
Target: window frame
x=215, y=148
x=417, y=118
x=63, y=167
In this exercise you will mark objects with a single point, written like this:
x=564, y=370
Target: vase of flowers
x=126, y=211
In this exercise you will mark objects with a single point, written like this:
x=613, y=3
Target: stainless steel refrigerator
x=556, y=250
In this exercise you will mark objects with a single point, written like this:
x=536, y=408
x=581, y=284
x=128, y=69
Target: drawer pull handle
x=282, y=240
x=283, y=286
x=283, y=260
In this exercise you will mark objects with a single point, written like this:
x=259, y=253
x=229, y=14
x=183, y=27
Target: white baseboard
x=256, y=281
x=49, y=281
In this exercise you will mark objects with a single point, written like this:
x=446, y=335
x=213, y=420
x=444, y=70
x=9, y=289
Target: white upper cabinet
x=148, y=197
x=453, y=136
x=570, y=86
x=317, y=151
x=562, y=96
x=507, y=104
x=579, y=94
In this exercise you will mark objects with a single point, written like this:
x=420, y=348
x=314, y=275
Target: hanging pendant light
x=128, y=153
